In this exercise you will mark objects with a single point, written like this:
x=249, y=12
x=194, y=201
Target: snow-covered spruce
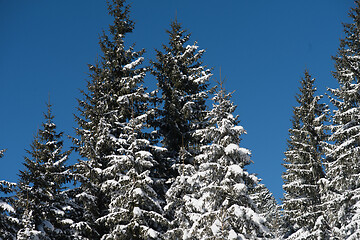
x=210, y=199
x=343, y=150
x=41, y=204
x=8, y=221
x=117, y=170
x=135, y=211
x=302, y=199
x=268, y=208
x=183, y=82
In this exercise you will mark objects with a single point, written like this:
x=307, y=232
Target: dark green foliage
x=41, y=204
x=116, y=150
x=183, y=83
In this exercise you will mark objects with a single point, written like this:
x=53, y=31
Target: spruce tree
x=268, y=208
x=117, y=171
x=135, y=211
x=183, y=82
x=302, y=200
x=41, y=205
x=210, y=199
x=343, y=152
x=8, y=222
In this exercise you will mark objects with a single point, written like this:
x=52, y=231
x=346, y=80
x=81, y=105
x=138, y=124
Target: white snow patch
x=236, y=169
x=232, y=235
x=67, y=221
x=143, y=154
x=138, y=191
x=137, y=211
x=152, y=233
x=231, y=148
x=134, y=63
x=240, y=188
x=215, y=227
x=6, y=207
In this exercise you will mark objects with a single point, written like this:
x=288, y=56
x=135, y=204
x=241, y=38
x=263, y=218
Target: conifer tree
x=41, y=205
x=183, y=82
x=302, y=200
x=343, y=152
x=135, y=211
x=268, y=208
x=8, y=222
x=211, y=197
x=117, y=170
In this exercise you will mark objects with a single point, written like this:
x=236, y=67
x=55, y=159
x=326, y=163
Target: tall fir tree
x=210, y=199
x=41, y=205
x=302, y=199
x=343, y=151
x=183, y=82
x=117, y=171
x=8, y=221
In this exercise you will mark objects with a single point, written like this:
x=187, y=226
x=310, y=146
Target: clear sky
x=262, y=47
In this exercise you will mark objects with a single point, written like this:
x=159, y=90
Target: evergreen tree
x=343, y=151
x=135, y=211
x=302, y=200
x=8, y=223
x=119, y=191
x=211, y=197
x=183, y=82
x=268, y=208
x=41, y=204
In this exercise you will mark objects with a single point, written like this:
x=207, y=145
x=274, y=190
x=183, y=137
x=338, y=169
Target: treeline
x=168, y=164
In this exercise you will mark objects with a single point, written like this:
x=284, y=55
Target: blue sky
x=262, y=47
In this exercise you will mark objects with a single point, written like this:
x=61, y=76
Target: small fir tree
x=302, y=200
x=41, y=204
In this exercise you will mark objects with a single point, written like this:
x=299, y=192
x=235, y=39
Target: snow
x=235, y=149
x=188, y=49
x=196, y=203
x=109, y=184
x=67, y=221
x=240, y=188
x=6, y=207
x=137, y=211
x=248, y=213
x=151, y=233
x=58, y=212
x=231, y=149
x=159, y=149
x=86, y=196
x=236, y=169
x=134, y=63
x=232, y=235
x=239, y=129
x=143, y=154
x=138, y=191
x=215, y=227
